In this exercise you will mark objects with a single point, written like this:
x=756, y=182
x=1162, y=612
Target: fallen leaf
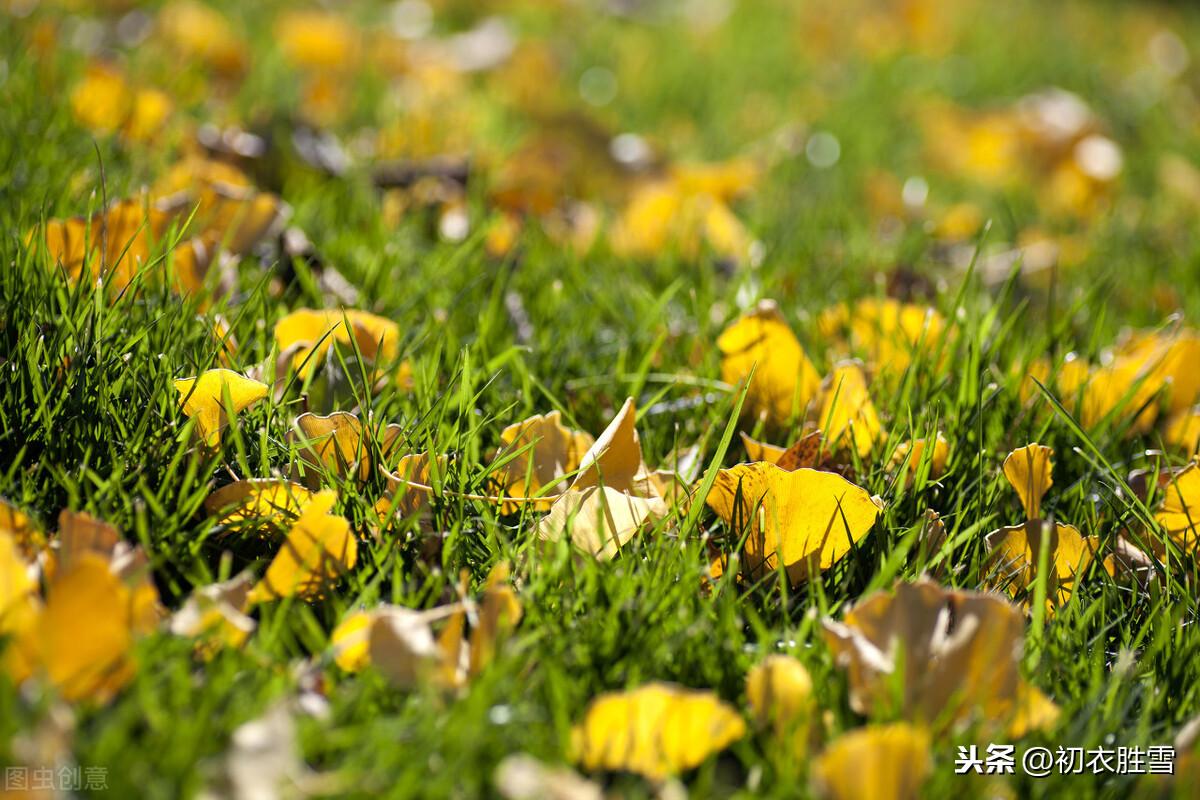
x=806, y=519
x=784, y=381
x=656, y=730
x=203, y=399
x=883, y=762
x=318, y=550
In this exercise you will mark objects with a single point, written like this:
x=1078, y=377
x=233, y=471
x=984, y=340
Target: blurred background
x=799, y=146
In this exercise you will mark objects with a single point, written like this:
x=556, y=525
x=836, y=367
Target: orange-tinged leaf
x=784, y=381
x=499, y=613
x=657, y=730
x=410, y=483
x=203, y=399
x=806, y=520
x=762, y=451
x=1030, y=471
x=882, y=762
x=319, y=550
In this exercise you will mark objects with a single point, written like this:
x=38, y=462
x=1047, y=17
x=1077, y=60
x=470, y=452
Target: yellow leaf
x=1030, y=471
x=806, y=519
x=551, y=450
x=1179, y=511
x=780, y=692
x=657, y=730
x=761, y=451
x=615, y=459
x=198, y=31
x=882, y=762
x=937, y=656
x=848, y=416
x=304, y=330
x=203, y=399
x=18, y=587
x=1183, y=430
x=318, y=550
x=410, y=483
x=318, y=40
x=217, y=614
x=785, y=381
x=914, y=451
x=499, y=613
x=83, y=637
x=26, y=534
x=1016, y=549
x=349, y=641
x=270, y=504
x=598, y=520
x=337, y=443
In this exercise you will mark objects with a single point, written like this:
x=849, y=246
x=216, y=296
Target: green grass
x=89, y=418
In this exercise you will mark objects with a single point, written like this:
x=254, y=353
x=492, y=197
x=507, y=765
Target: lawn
x=612, y=398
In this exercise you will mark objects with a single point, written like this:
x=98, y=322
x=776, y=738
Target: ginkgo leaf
x=784, y=381
x=216, y=613
x=762, y=451
x=410, y=483
x=941, y=657
x=336, y=442
x=349, y=641
x=499, y=613
x=198, y=31
x=883, y=762
x=890, y=334
x=657, y=730
x=914, y=453
x=805, y=520
x=1179, y=511
x=269, y=505
x=401, y=646
x=84, y=635
x=599, y=520
x=28, y=536
x=546, y=450
x=203, y=399
x=1016, y=549
x=1183, y=430
x=113, y=244
x=1030, y=471
x=301, y=332
x=847, y=415
x=82, y=536
x=615, y=459
x=18, y=587
x=318, y=550
x=780, y=692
